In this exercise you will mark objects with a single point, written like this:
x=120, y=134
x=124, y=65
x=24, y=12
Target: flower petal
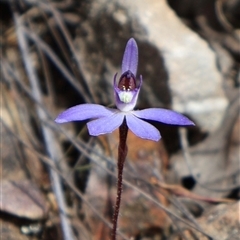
x=130, y=57
x=105, y=125
x=83, y=112
x=142, y=129
x=164, y=116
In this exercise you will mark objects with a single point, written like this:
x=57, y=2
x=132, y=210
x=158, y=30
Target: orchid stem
x=122, y=153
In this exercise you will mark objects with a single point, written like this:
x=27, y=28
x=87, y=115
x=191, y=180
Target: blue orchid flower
x=126, y=92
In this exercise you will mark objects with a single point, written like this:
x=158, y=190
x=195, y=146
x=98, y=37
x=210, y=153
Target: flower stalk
x=122, y=154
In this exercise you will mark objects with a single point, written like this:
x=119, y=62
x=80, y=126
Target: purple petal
x=164, y=116
x=105, y=125
x=130, y=57
x=142, y=129
x=83, y=112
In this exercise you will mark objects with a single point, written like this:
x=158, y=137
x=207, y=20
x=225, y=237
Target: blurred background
x=57, y=182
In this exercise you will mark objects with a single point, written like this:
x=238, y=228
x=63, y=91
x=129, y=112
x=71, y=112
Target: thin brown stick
x=48, y=51
x=47, y=133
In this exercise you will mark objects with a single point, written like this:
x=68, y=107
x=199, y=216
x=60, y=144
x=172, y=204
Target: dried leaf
x=23, y=199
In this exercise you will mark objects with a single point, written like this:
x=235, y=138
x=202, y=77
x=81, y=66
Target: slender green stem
x=122, y=153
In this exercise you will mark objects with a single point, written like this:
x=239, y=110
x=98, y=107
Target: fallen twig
x=47, y=133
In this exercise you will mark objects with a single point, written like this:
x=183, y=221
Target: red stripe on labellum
x=127, y=81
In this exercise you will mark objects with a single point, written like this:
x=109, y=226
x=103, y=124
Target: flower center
x=127, y=81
